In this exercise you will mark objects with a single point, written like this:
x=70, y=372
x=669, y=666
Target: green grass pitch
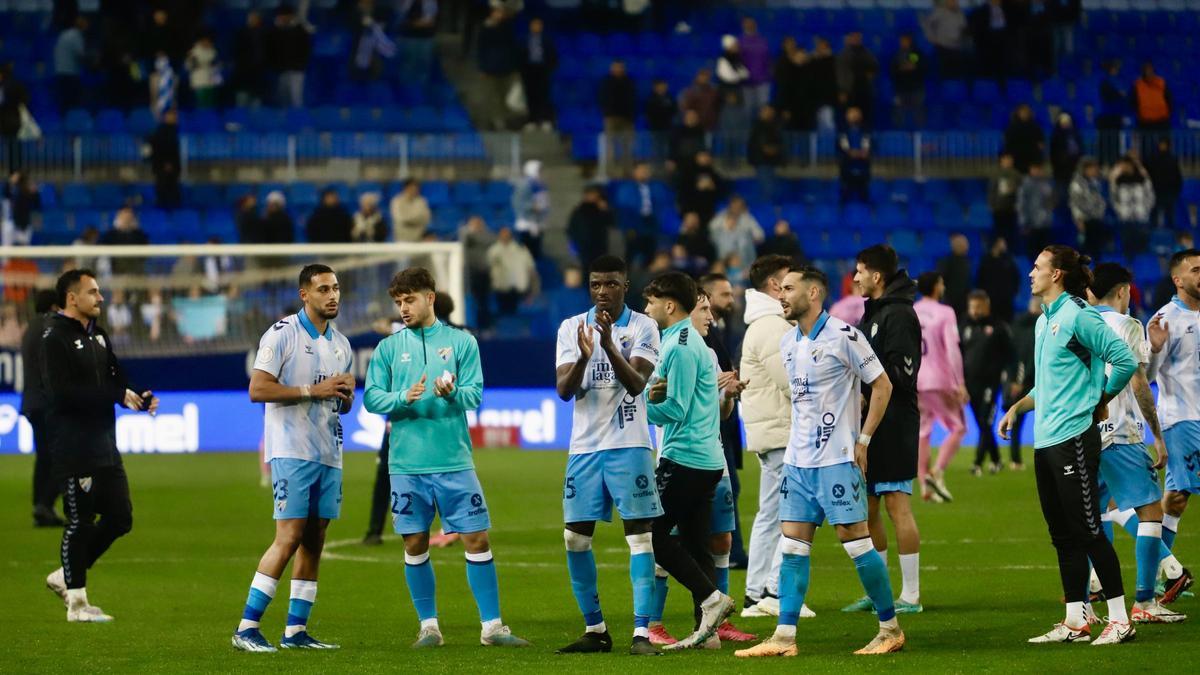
x=177, y=583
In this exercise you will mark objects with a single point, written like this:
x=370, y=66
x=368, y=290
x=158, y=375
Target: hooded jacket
x=766, y=402
x=892, y=328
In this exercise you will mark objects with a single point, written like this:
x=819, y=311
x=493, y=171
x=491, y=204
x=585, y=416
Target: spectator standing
x=289, y=47
x=1087, y=204
x=278, y=226
x=946, y=29
x=477, y=240
x=372, y=45
x=163, y=87
x=822, y=75
x=1165, y=175
x=21, y=199
x=1152, y=102
x=250, y=61
x=250, y=226
x=369, y=224
x=330, y=222
x=126, y=232
x=687, y=139
x=538, y=62
x=512, y=271
x=732, y=74
x=1020, y=372
x=783, y=241
x=640, y=203
x=854, y=155
x=70, y=53
x=1066, y=147
x=694, y=240
x=987, y=349
x=618, y=104
x=1132, y=196
x=1037, y=37
x=1024, y=139
x=1035, y=210
x=13, y=97
x=204, y=72
x=417, y=22
x=660, y=109
x=410, y=212
x=1065, y=16
x=908, y=81
x=34, y=405
x=991, y=28
x=955, y=269
x=498, y=60
x=702, y=97
x=1110, y=117
x=165, y=161
x=856, y=71
x=1002, y=198
x=590, y=224
x=793, y=91
x=700, y=187
x=736, y=231
x=999, y=277
x=531, y=206
x=766, y=151
x=756, y=56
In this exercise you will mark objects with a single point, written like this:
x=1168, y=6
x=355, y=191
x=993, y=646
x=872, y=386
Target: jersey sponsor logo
x=477, y=505
x=825, y=429
x=643, y=485
x=800, y=390
x=872, y=358
x=839, y=491
x=649, y=347
x=839, y=495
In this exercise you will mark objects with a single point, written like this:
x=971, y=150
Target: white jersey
x=297, y=355
x=1125, y=425
x=1177, y=367
x=607, y=417
x=826, y=369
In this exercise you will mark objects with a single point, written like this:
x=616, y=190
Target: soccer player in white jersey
x=825, y=462
x=604, y=358
x=1174, y=334
x=1127, y=474
x=302, y=374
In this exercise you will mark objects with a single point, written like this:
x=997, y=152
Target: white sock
x=264, y=584
x=891, y=623
x=1116, y=609
x=720, y=561
x=492, y=626
x=1171, y=566
x=910, y=569
x=642, y=631
x=785, y=631
x=77, y=597
x=301, y=589
x=1121, y=517
x=1171, y=522
x=598, y=628
x=1076, y=618
x=431, y=623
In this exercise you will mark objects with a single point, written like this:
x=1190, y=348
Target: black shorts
x=1067, y=480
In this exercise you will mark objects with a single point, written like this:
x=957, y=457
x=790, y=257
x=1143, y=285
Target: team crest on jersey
x=445, y=353
x=100, y=339
x=874, y=329
x=281, y=505
x=405, y=357
x=816, y=354
x=85, y=483
x=625, y=341
x=1054, y=329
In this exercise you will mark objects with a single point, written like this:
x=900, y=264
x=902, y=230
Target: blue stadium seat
x=140, y=122
x=110, y=122
x=107, y=195
x=436, y=192
x=76, y=196
x=302, y=196
x=78, y=122
x=185, y=226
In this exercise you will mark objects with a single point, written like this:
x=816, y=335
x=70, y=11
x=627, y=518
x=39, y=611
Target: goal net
x=184, y=300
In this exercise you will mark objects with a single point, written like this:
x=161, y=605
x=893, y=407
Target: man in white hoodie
x=766, y=412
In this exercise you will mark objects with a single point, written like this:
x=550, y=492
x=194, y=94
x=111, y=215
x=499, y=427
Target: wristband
x=305, y=391
x=864, y=439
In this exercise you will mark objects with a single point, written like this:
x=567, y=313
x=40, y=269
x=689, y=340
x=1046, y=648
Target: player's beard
x=328, y=314
x=1193, y=292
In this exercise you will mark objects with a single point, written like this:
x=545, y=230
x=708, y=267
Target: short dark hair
x=608, y=263
x=768, y=266
x=927, y=282
x=711, y=278
x=675, y=286
x=1179, y=257
x=309, y=271
x=68, y=282
x=412, y=280
x=1077, y=276
x=443, y=305
x=701, y=293
x=815, y=275
x=1107, y=276
x=979, y=294
x=879, y=258
x=45, y=300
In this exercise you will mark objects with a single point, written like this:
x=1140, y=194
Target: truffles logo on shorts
x=477, y=504
x=643, y=485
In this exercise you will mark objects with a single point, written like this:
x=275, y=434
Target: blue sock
x=793, y=580
x=641, y=574
x=660, y=598
x=1107, y=526
x=581, y=566
x=722, y=564
x=418, y=574
x=873, y=575
x=481, y=577
x=304, y=594
x=262, y=589
x=1147, y=548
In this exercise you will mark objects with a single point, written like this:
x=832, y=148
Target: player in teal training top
x=424, y=380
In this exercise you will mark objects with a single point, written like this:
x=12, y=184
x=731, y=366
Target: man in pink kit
x=941, y=388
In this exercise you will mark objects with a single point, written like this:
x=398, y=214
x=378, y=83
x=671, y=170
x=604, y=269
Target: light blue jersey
x=296, y=354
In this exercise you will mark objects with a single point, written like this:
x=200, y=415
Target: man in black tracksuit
x=33, y=407
x=1020, y=372
x=83, y=380
x=892, y=328
x=987, y=350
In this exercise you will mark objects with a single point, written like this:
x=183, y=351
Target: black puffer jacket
x=82, y=381
x=892, y=328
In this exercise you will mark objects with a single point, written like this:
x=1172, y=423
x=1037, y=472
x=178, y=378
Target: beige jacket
x=410, y=217
x=766, y=402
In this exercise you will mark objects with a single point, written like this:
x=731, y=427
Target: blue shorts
x=722, y=508
x=884, y=487
x=304, y=489
x=1128, y=477
x=597, y=480
x=829, y=492
x=456, y=496
x=1183, y=457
